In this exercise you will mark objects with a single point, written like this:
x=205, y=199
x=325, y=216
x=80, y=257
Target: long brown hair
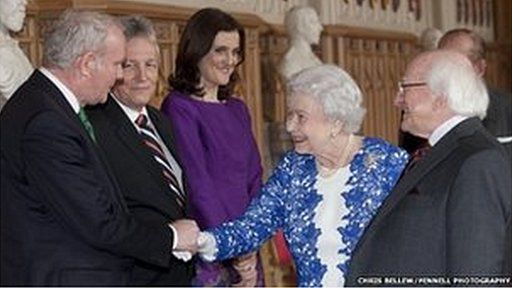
x=196, y=41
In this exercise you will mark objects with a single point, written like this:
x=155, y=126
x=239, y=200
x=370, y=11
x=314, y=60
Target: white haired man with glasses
x=450, y=213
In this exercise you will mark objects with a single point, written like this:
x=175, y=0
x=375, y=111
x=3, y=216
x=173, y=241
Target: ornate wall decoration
x=415, y=8
x=460, y=10
x=384, y=4
x=476, y=15
x=375, y=14
x=488, y=12
x=395, y=5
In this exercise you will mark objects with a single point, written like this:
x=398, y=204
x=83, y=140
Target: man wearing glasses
x=447, y=218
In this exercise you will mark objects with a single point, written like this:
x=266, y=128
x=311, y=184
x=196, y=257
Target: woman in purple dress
x=213, y=135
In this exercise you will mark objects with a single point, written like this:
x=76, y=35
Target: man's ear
x=86, y=64
x=440, y=102
x=480, y=67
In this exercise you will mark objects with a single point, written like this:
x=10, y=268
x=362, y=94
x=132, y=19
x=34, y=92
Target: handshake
x=190, y=240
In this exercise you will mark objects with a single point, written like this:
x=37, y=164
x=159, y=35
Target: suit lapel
x=52, y=90
x=49, y=87
x=163, y=130
x=411, y=179
x=129, y=136
x=67, y=110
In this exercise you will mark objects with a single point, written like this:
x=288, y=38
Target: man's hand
x=187, y=231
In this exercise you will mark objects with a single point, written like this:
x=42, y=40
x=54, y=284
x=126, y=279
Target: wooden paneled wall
x=499, y=66
x=375, y=59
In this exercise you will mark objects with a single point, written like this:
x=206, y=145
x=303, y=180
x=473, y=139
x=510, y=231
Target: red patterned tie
x=417, y=155
x=150, y=140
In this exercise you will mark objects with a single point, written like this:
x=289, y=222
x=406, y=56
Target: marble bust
x=15, y=68
x=303, y=28
x=429, y=38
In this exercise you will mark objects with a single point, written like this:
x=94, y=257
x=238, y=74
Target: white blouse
x=328, y=218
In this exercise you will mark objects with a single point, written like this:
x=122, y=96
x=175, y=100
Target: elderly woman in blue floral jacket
x=325, y=192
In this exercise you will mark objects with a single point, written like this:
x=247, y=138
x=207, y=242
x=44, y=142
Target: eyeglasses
x=403, y=85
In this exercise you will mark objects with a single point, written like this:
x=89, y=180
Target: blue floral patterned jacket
x=289, y=198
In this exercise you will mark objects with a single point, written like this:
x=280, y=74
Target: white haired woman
x=325, y=192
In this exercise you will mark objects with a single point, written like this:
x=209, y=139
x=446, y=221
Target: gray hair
x=74, y=34
x=452, y=76
x=139, y=26
x=332, y=87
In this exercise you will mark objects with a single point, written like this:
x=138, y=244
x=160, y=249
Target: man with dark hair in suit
x=64, y=221
x=448, y=214
x=499, y=113
x=150, y=196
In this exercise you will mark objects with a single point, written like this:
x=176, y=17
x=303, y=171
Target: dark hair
x=479, y=49
x=196, y=41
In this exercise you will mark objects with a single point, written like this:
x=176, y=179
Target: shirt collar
x=444, y=128
x=68, y=94
x=131, y=113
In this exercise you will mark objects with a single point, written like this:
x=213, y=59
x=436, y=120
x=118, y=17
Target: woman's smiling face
x=309, y=127
x=218, y=65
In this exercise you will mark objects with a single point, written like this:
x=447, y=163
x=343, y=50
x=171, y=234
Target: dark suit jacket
x=447, y=216
x=63, y=217
x=499, y=116
x=140, y=177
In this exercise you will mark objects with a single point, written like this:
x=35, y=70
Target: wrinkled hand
x=187, y=231
x=246, y=268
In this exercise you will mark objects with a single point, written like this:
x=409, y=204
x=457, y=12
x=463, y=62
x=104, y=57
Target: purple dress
x=222, y=166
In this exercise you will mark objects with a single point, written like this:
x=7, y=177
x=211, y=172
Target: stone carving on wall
x=272, y=11
x=15, y=68
x=429, y=38
x=397, y=15
x=405, y=16
x=304, y=29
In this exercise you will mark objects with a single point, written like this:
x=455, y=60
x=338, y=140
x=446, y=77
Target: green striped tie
x=87, y=124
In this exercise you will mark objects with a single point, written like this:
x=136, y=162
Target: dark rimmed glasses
x=402, y=85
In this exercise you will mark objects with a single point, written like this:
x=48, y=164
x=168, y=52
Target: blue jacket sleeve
x=262, y=218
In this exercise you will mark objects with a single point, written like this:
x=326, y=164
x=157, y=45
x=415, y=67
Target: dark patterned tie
x=150, y=140
x=87, y=125
x=417, y=155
